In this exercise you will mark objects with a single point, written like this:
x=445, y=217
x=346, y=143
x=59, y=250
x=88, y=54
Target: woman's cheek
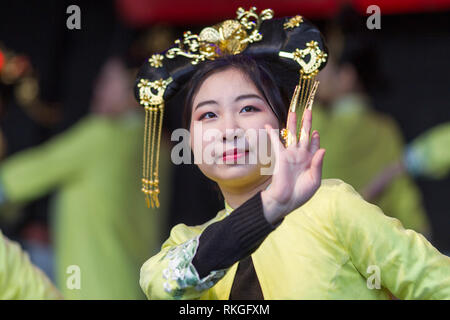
x=204, y=147
x=197, y=145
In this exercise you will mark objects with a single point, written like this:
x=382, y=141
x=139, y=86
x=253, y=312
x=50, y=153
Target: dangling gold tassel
x=151, y=98
x=156, y=190
x=302, y=99
x=152, y=140
x=145, y=181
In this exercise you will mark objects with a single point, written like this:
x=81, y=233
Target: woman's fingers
x=306, y=128
x=292, y=125
x=316, y=165
x=315, y=142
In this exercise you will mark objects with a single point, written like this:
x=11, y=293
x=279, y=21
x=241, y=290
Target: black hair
x=255, y=70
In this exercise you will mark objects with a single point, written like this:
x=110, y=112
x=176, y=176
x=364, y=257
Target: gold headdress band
x=228, y=37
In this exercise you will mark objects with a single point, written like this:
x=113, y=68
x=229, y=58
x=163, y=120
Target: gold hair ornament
x=305, y=91
x=151, y=97
x=227, y=37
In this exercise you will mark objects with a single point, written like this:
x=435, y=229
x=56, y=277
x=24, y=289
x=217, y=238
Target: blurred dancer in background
x=360, y=141
x=26, y=116
x=99, y=219
x=426, y=156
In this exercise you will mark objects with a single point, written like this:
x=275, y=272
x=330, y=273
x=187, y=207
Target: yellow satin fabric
x=327, y=249
x=19, y=278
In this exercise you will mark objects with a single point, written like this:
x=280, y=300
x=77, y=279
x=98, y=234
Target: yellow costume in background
x=329, y=248
x=360, y=143
x=99, y=220
x=19, y=278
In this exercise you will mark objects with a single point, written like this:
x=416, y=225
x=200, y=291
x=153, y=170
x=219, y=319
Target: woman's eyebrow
x=238, y=98
x=201, y=104
x=248, y=96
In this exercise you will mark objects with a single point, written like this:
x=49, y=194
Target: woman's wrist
x=272, y=210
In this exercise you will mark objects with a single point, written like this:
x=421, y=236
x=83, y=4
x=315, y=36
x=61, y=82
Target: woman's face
x=227, y=129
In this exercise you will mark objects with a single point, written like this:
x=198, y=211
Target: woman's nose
x=232, y=129
x=233, y=134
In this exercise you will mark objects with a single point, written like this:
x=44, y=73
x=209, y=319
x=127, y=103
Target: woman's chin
x=230, y=172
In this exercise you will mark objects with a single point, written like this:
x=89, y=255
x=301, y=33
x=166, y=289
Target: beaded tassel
x=152, y=140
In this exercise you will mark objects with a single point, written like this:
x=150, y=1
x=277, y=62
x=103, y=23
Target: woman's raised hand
x=298, y=169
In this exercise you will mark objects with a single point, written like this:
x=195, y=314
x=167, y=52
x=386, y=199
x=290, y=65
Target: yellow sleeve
x=19, y=278
x=170, y=275
x=409, y=266
x=402, y=200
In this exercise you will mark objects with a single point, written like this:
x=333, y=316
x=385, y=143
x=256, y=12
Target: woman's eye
x=207, y=115
x=249, y=108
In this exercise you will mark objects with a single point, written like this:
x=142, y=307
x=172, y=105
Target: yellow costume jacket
x=335, y=246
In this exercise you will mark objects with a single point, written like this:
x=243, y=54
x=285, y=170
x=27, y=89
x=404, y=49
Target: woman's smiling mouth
x=233, y=154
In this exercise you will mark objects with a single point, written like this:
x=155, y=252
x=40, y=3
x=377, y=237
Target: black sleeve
x=237, y=236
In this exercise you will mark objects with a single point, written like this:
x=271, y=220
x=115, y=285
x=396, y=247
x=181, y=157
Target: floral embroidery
x=181, y=273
